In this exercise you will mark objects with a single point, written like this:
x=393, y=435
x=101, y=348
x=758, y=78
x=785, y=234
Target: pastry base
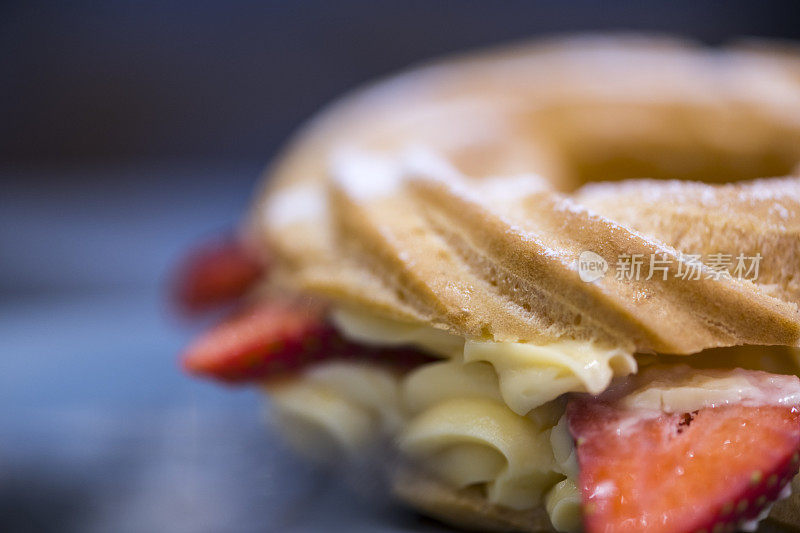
x=468, y=509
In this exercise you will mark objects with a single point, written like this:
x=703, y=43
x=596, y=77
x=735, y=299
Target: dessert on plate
x=552, y=286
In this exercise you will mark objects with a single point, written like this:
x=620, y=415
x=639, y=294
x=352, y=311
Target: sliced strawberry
x=262, y=340
x=274, y=338
x=708, y=470
x=214, y=274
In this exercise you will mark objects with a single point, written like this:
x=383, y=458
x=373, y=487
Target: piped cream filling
x=682, y=389
x=459, y=427
x=337, y=409
x=377, y=331
x=490, y=414
x=529, y=375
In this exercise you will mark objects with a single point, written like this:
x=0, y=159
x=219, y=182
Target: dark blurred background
x=128, y=130
x=115, y=80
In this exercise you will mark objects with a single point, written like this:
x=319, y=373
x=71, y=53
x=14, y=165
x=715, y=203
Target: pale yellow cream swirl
x=529, y=375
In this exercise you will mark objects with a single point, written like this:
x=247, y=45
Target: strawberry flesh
x=709, y=470
x=214, y=274
x=272, y=339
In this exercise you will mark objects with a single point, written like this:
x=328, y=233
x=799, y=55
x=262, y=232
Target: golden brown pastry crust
x=352, y=215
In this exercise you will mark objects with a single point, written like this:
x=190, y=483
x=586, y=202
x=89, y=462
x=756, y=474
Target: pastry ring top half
x=473, y=194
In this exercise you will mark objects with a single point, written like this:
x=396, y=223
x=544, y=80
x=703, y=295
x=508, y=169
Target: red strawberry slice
x=260, y=341
x=214, y=274
x=272, y=339
x=708, y=470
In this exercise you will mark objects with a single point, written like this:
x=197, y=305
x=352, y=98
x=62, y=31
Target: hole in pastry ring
x=578, y=110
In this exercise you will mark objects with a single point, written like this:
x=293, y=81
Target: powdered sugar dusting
x=297, y=204
x=365, y=175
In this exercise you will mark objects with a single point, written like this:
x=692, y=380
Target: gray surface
x=99, y=430
x=160, y=78
x=178, y=470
